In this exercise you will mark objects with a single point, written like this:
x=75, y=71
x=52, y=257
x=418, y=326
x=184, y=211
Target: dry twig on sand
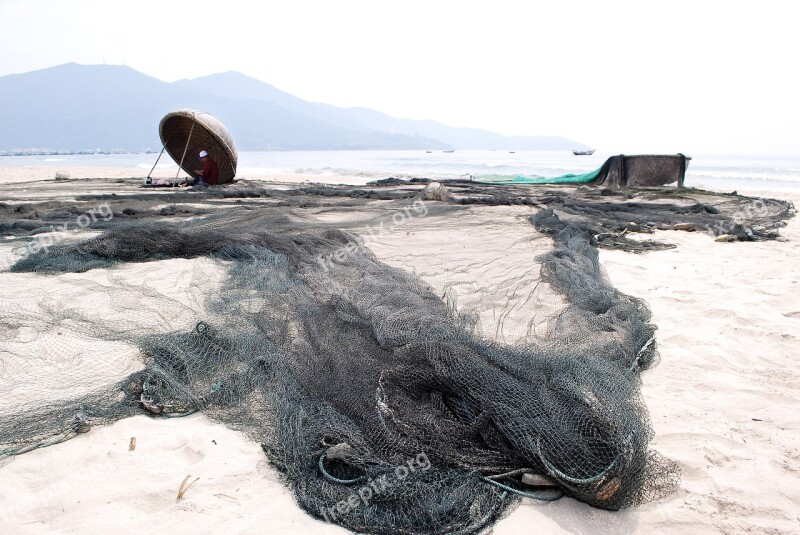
x=184, y=487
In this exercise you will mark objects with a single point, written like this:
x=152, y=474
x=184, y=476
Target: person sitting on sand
x=209, y=174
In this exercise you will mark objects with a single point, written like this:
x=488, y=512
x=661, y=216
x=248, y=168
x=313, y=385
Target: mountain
x=241, y=86
x=75, y=107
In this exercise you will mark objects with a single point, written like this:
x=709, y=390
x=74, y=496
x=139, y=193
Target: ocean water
x=718, y=172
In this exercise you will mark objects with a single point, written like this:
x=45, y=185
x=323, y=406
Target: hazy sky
x=620, y=76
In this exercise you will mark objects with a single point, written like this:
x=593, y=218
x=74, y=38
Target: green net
x=569, y=178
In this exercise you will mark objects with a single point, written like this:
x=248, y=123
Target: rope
x=334, y=479
x=180, y=165
x=163, y=148
x=646, y=345
x=639, y=354
x=517, y=472
x=178, y=414
x=561, y=475
x=555, y=494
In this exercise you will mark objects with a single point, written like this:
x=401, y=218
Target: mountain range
x=75, y=107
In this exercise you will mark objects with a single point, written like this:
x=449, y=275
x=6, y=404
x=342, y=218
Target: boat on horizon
x=583, y=152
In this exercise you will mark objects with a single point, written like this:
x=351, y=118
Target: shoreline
x=44, y=174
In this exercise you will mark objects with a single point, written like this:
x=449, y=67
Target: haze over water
x=734, y=172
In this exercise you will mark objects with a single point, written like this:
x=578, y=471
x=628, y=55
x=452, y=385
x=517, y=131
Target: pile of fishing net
x=383, y=405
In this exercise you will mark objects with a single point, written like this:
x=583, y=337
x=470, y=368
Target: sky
x=623, y=77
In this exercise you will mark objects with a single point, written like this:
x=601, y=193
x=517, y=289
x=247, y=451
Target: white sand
x=724, y=402
x=39, y=173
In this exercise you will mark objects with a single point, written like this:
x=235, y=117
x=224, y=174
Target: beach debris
x=62, y=175
x=605, y=235
x=724, y=238
x=132, y=444
x=150, y=404
x=184, y=487
x=177, y=407
x=134, y=388
x=435, y=191
x=343, y=450
x=607, y=491
x=227, y=498
x=688, y=227
x=537, y=480
x=80, y=422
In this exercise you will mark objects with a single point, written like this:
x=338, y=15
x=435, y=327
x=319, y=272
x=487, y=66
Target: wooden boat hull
x=184, y=133
x=643, y=170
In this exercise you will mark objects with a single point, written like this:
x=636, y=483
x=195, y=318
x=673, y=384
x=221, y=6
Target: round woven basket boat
x=184, y=133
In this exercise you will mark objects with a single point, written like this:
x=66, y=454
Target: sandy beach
x=724, y=401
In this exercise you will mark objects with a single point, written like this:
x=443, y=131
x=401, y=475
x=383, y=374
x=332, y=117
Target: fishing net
x=569, y=178
x=629, y=219
x=639, y=171
x=389, y=401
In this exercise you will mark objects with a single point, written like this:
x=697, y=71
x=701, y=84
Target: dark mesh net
x=389, y=403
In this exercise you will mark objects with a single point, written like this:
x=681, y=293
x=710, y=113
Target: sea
x=716, y=172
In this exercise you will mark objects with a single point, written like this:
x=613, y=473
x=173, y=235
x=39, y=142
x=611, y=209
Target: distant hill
x=75, y=107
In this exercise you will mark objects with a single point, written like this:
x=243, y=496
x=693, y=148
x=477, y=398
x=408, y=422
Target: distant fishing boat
x=428, y=151
x=452, y=150
x=583, y=152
